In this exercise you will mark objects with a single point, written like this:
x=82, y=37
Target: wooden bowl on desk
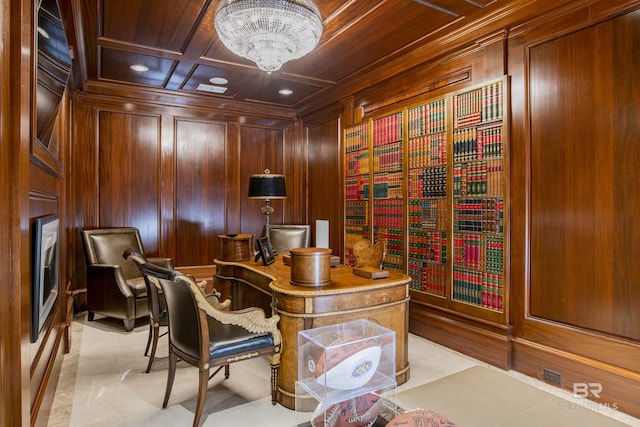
x=310, y=266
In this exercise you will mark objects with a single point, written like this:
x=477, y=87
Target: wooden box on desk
x=236, y=247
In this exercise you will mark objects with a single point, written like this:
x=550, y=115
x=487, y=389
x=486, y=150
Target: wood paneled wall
x=574, y=277
x=583, y=188
x=180, y=174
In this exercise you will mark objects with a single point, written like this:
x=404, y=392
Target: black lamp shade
x=267, y=186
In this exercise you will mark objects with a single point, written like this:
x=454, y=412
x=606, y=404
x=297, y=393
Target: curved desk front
x=348, y=297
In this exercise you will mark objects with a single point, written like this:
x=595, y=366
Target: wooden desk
x=348, y=297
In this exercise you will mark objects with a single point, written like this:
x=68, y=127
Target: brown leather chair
x=157, y=307
x=284, y=237
x=206, y=337
x=115, y=286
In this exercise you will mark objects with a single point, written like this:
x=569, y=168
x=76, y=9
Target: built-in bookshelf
x=388, y=188
x=356, y=143
x=430, y=180
x=478, y=196
x=427, y=197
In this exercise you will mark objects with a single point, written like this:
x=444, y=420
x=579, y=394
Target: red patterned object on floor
x=420, y=418
x=360, y=411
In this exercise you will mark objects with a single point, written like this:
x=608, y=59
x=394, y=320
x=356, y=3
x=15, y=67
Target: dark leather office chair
x=115, y=286
x=157, y=307
x=206, y=337
x=284, y=237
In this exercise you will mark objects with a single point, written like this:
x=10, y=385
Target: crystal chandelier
x=269, y=32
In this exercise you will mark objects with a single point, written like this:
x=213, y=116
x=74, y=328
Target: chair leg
x=202, y=395
x=129, y=324
x=274, y=384
x=91, y=316
x=146, y=350
x=226, y=372
x=171, y=373
x=154, y=346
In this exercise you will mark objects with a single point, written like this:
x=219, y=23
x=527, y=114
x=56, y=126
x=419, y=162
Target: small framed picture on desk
x=265, y=251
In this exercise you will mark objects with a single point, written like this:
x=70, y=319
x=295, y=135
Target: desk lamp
x=267, y=186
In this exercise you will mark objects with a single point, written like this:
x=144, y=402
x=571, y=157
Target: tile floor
x=103, y=383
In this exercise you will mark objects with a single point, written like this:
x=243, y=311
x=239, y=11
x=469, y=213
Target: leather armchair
x=115, y=286
x=284, y=237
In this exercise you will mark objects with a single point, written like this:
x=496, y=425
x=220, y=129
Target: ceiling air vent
x=211, y=88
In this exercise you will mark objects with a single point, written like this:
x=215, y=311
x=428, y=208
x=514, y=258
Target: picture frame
x=46, y=270
x=265, y=251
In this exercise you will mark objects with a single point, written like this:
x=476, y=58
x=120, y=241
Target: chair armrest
x=252, y=319
x=96, y=273
x=214, y=297
x=162, y=262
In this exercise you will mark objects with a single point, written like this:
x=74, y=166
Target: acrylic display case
x=345, y=370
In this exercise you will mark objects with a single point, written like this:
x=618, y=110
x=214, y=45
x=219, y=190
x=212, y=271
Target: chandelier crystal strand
x=269, y=32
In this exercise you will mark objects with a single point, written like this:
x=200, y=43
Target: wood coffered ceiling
x=178, y=42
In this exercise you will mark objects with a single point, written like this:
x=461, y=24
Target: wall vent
x=552, y=377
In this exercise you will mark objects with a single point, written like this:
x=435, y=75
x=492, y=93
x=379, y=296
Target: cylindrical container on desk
x=310, y=266
x=236, y=247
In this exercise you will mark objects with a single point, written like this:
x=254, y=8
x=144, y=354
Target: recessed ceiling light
x=218, y=80
x=285, y=92
x=139, y=67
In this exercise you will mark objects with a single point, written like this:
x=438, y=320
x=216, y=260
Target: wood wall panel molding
x=225, y=109
x=200, y=193
x=490, y=343
x=571, y=348
x=619, y=387
x=581, y=240
x=610, y=350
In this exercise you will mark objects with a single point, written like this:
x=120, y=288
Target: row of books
x=483, y=178
x=356, y=137
x=480, y=215
x=357, y=187
x=480, y=105
x=427, y=277
x=427, y=150
x=478, y=288
x=356, y=212
x=387, y=158
x=387, y=185
x=427, y=214
x=427, y=118
x=357, y=163
x=393, y=262
x=478, y=252
x=387, y=129
x=428, y=246
x=352, y=234
x=394, y=239
x=428, y=182
x=388, y=213
x=477, y=143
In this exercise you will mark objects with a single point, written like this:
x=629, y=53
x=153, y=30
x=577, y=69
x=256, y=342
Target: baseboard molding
x=604, y=385
x=484, y=341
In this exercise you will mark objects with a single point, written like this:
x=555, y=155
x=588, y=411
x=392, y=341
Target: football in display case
x=339, y=362
x=365, y=410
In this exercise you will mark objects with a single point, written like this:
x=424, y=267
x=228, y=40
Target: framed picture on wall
x=265, y=251
x=46, y=267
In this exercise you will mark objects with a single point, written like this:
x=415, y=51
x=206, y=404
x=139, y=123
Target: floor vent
x=552, y=377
